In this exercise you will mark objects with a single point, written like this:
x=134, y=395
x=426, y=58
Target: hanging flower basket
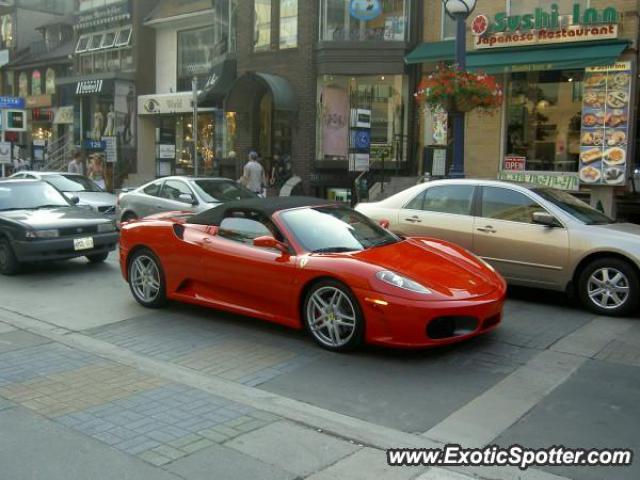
x=459, y=91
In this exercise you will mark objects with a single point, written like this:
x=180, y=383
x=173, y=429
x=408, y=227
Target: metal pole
x=457, y=168
x=4, y=172
x=194, y=130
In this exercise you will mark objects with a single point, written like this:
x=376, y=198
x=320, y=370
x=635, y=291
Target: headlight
x=106, y=227
x=52, y=233
x=399, y=281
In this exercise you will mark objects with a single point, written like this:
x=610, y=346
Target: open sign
x=514, y=163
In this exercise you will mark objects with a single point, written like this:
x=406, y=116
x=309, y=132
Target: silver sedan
x=193, y=194
x=534, y=236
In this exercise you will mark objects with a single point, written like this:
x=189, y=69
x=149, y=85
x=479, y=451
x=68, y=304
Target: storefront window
x=50, y=81
x=288, y=23
x=36, y=83
x=384, y=96
x=543, y=119
x=364, y=20
x=262, y=22
x=207, y=150
x=23, y=85
x=195, y=55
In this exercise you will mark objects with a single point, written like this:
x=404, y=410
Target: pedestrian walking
x=96, y=172
x=75, y=165
x=253, y=175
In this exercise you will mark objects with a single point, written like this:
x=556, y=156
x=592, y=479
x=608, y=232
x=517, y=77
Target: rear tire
x=98, y=257
x=146, y=279
x=9, y=265
x=332, y=316
x=609, y=286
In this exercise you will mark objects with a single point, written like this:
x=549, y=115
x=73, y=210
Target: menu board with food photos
x=604, y=134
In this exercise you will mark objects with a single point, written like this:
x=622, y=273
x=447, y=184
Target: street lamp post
x=459, y=10
x=194, y=129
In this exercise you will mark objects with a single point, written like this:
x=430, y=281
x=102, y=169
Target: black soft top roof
x=264, y=206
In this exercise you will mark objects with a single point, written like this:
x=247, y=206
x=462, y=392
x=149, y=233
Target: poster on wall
x=335, y=116
x=604, y=134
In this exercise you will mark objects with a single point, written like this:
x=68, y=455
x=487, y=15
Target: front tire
x=333, y=317
x=98, y=257
x=9, y=264
x=609, y=286
x=146, y=279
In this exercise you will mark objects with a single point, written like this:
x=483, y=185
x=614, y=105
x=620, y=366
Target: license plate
x=83, y=243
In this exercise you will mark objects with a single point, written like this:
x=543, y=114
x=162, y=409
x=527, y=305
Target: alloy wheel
x=145, y=278
x=331, y=316
x=608, y=288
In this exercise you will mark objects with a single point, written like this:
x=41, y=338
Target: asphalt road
x=551, y=374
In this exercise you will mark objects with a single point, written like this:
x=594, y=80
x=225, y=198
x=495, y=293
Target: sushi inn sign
x=545, y=25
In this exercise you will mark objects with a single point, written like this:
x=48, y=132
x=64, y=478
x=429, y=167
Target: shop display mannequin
x=98, y=123
x=109, y=131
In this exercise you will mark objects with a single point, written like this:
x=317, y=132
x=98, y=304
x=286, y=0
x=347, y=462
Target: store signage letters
x=165, y=103
x=562, y=181
x=88, y=87
x=545, y=26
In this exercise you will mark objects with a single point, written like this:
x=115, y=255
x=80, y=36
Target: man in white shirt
x=75, y=165
x=253, y=174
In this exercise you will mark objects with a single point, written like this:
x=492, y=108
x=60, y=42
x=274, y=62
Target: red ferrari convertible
x=306, y=263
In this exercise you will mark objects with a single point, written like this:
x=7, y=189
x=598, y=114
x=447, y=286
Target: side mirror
x=384, y=223
x=270, y=242
x=545, y=218
x=187, y=198
x=74, y=199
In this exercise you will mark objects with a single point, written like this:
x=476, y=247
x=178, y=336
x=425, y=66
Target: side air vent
x=178, y=230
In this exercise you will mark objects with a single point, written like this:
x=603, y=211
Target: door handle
x=413, y=219
x=487, y=229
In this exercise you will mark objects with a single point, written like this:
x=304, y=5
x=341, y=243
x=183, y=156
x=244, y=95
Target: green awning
x=534, y=57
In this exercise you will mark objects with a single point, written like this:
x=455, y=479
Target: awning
x=536, y=57
x=250, y=84
x=218, y=84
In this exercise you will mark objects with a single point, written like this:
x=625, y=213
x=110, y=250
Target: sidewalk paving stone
x=366, y=464
x=221, y=463
x=297, y=449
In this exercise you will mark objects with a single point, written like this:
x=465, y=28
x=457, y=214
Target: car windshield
x=574, y=207
x=30, y=196
x=335, y=229
x=221, y=190
x=72, y=183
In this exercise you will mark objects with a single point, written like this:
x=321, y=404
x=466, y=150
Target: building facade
x=569, y=75
x=285, y=78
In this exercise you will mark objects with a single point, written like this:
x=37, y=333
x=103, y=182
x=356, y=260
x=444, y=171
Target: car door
x=440, y=211
x=170, y=196
x=144, y=202
x=235, y=272
x=524, y=252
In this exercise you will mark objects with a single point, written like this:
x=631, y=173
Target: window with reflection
x=364, y=20
x=262, y=25
x=288, y=23
x=36, y=83
x=195, y=55
x=543, y=119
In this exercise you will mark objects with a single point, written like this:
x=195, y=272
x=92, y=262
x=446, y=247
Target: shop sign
x=514, y=163
x=39, y=142
x=88, y=87
x=359, y=162
x=94, y=145
x=12, y=102
x=166, y=151
x=37, y=101
x=604, y=136
x=544, y=26
x=110, y=149
x=559, y=180
x=365, y=9
x=111, y=11
x=165, y=103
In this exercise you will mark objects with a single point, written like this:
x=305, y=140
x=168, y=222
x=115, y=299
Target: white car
x=192, y=194
x=89, y=194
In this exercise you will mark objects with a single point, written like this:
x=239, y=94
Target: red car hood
x=440, y=266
